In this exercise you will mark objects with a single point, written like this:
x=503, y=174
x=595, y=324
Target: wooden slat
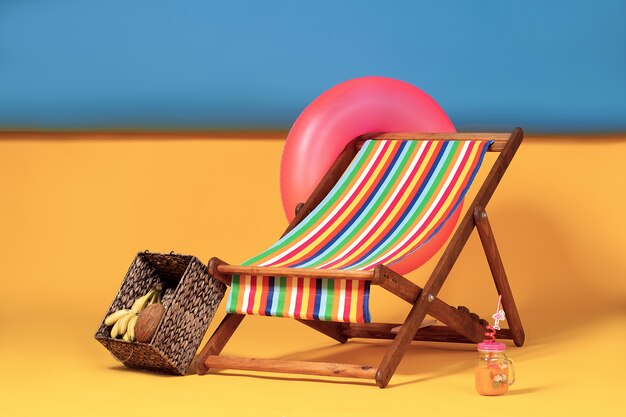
x=499, y=275
x=396, y=283
x=498, y=136
x=424, y=334
x=294, y=272
x=499, y=139
x=391, y=360
x=464, y=323
x=291, y=367
x=385, y=331
x=504, y=334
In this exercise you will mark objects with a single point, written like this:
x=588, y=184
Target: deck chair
x=385, y=196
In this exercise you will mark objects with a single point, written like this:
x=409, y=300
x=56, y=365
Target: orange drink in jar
x=494, y=370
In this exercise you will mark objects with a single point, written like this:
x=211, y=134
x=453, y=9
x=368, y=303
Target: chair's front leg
x=218, y=340
x=499, y=275
x=406, y=334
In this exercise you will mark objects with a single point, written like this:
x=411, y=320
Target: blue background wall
x=196, y=64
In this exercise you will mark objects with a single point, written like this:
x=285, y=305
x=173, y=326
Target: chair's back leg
x=499, y=275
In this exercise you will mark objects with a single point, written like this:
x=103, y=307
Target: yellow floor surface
x=75, y=209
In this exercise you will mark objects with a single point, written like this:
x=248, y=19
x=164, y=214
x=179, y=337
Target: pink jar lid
x=492, y=346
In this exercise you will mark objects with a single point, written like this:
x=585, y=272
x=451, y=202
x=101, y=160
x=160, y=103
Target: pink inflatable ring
x=348, y=110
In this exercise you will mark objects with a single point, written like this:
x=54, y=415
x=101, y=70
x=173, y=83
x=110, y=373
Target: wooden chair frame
x=460, y=325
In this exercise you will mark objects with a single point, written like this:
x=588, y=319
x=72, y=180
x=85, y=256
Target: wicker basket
x=190, y=298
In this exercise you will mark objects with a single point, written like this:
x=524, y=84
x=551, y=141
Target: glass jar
x=494, y=370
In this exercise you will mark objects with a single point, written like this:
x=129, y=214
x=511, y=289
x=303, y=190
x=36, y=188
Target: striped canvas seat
x=391, y=200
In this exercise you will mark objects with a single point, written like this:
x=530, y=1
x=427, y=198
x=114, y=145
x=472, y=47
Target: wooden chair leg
x=499, y=275
x=218, y=340
x=400, y=344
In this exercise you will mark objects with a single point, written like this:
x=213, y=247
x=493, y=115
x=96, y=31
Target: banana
x=152, y=299
x=115, y=330
x=156, y=295
x=123, y=322
x=114, y=317
x=140, y=303
x=130, y=330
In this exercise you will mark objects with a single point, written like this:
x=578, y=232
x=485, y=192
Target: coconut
x=148, y=321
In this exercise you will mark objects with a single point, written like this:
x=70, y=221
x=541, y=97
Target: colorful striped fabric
x=393, y=198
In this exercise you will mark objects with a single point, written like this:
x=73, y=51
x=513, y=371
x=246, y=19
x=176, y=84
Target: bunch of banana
x=123, y=321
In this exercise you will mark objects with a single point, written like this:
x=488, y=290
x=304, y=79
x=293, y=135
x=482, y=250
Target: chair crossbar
x=291, y=367
x=499, y=139
x=295, y=272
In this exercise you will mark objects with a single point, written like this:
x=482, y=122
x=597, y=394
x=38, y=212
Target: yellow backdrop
x=76, y=208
